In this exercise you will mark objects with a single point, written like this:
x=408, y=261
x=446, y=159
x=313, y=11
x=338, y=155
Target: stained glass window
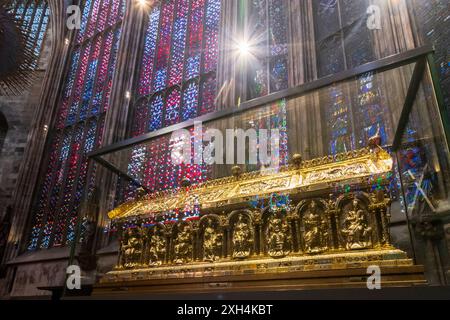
x=273, y=117
x=343, y=42
x=268, y=35
x=34, y=15
x=177, y=83
x=79, y=124
x=180, y=57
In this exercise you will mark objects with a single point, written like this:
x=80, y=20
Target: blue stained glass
x=89, y=145
x=73, y=70
x=156, y=111
x=89, y=85
x=192, y=67
x=211, y=35
x=149, y=52
x=164, y=45
x=190, y=101
x=34, y=16
x=279, y=74
x=84, y=20
x=160, y=79
x=178, y=42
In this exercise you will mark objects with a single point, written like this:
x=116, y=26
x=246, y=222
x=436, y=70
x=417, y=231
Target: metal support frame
x=410, y=98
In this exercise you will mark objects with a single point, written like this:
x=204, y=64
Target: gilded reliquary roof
x=316, y=174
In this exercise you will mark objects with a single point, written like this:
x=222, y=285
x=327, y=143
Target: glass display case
x=359, y=171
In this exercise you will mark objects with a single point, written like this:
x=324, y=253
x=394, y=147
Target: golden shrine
x=334, y=227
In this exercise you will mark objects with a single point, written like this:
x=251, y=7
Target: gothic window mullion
x=41, y=21
x=80, y=127
x=57, y=210
x=175, y=86
x=101, y=53
x=104, y=98
x=202, y=57
x=186, y=43
x=47, y=208
x=32, y=6
x=88, y=120
x=83, y=30
x=185, y=56
x=160, y=45
x=153, y=57
x=72, y=128
x=147, y=75
x=86, y=127
x=78, y=115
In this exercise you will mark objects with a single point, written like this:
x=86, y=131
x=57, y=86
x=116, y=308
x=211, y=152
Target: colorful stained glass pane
x=34, y=17
x=83, y=104
x=190, y=101
x=156, y=113
x=192, y=67
x=164, y=45
x=149, y=52
x=177, y=75
x=268, y=72
x=173, y=107
x=178, y=42
x=212, y=21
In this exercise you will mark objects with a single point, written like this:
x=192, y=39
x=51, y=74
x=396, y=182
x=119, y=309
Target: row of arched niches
x=355, y=221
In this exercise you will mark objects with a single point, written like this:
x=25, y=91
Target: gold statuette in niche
x=355, y=229
x=315, y=229
x=278, y=237
x=242, y=237
x=212, y=240
x=182, y=248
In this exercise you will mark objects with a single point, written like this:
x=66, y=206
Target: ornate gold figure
x=131, y=250
x=183, y=246
x=212, y=241
x=278, y=238
x=356, y=232
x=157, y=248
x=242, y=239
x=316, y=230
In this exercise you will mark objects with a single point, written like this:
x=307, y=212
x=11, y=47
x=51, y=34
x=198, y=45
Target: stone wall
x=19, y=113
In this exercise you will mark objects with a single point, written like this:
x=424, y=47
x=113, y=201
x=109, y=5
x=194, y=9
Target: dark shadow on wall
x=3, y=130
